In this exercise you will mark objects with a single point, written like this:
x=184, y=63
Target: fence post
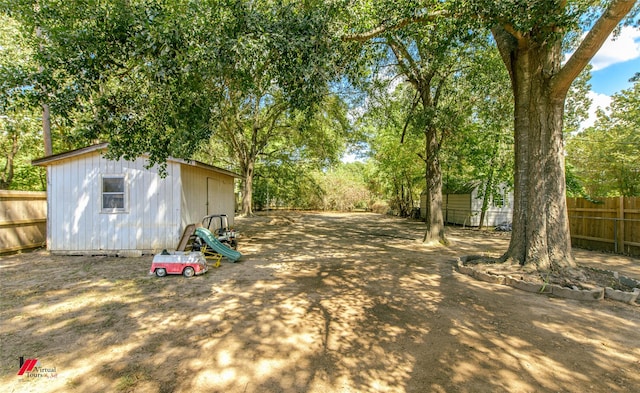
x=620, y=239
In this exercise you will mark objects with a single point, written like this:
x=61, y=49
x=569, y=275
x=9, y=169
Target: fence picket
x=23, y=220
x=611, y=224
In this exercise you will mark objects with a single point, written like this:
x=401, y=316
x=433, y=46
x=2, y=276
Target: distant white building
x=464, y=207
x=98, y=206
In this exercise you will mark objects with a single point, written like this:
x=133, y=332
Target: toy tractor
x=213, y=238
x=218, y=224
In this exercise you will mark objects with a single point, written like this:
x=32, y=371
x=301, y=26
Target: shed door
x=214, y=200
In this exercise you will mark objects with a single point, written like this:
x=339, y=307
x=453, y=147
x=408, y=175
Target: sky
x=617, y=61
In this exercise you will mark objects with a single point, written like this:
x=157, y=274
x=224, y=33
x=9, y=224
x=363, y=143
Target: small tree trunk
x=403, y=200
x=485, y=199
x=488, y=187
x=409, y=196
x=46, y=130
x=46, y=113
x=8, y=171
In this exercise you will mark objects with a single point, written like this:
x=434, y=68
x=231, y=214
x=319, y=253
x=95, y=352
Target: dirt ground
x=319, y=303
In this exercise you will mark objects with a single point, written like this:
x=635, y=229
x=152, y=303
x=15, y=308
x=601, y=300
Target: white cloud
x=598, y=100
x=618, y=49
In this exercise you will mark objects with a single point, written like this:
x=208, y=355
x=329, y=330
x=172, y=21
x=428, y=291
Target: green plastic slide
x=216, y=246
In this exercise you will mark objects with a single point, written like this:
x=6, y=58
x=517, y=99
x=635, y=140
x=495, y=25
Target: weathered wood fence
x=23, y=220
x=612, y=224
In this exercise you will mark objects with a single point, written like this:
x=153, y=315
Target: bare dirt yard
x=320, y=302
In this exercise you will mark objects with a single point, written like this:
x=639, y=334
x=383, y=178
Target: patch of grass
x=128, y=382
x=72, y=384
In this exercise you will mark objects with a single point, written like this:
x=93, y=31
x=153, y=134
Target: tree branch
x=590, y=45
x=440, y=88
x=405, y=61
x=367, y=35
x=406, y=123
x=506, y=44
x=509, y=29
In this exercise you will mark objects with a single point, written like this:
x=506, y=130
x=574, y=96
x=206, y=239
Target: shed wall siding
x=204, y=193
x=495, y=215
x=476, y=208
x=465, y=209
x=77, y=222
x=458, y=208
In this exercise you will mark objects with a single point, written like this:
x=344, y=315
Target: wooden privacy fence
x=23, y=220
x=612, y=224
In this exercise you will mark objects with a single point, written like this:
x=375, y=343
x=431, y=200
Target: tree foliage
x=162, y=77
x=433, y=57
x=605, y=156
x=344, y=188
x=394, y=132
x=20, y=138
x=481, y=152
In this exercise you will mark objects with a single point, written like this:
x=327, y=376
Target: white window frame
x=124, y=192
x=501, y=201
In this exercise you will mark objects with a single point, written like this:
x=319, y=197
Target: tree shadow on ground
x=319, y=303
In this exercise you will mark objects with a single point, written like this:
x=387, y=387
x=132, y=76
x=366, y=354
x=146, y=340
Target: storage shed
x=98, y=206
x=463, y=206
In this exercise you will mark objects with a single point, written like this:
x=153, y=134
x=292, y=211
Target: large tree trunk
x=540, y=82
x=541, y=236
x=247, y=188
x=433, y=218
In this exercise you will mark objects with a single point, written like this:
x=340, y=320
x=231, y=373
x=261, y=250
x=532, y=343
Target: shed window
x=499, y=200
x=113, y=190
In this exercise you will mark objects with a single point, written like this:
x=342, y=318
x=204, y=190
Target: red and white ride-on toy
x=188, y=264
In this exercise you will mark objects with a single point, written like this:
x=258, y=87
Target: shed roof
x=52, y=159
x=458, y=189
